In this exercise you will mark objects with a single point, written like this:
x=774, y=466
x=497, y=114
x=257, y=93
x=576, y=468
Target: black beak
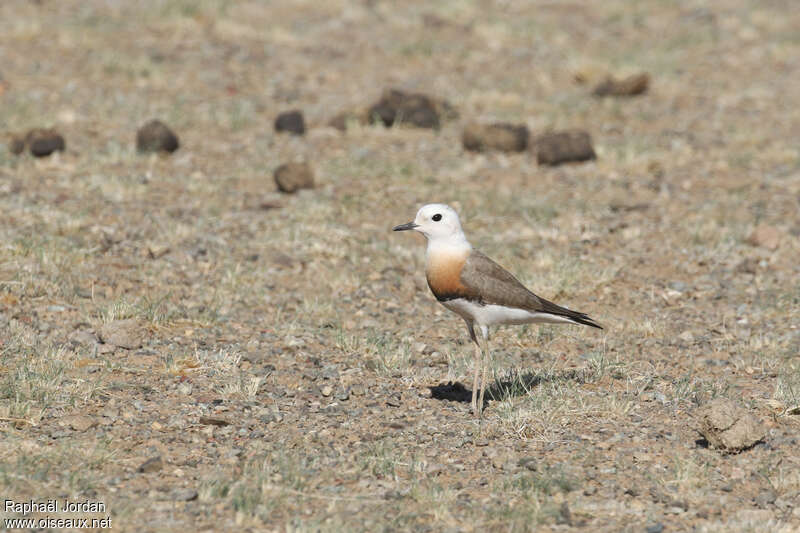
x=405, y=227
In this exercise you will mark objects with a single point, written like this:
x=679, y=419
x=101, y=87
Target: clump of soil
x=765, y=236
x=125, y=333
x=40, y=142
x=291, y=122
x=630, y=86
x=728, y=426
x=568, y=146
x=500, y=136
x=155, y=136
x=413, y=109
x=291, y=177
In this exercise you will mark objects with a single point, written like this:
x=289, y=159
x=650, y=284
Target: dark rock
x=293, y=176
x=400, y=107
x=655, y=528
x=155, y=136
x=291, y=121
x=40, y=142
x=154, y=464
x=567, y=146
x=630, y=86
x=728, y=426
x=498, y=136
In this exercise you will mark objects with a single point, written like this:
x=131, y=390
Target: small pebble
x=154, y=464
x=184, y=495
x=291, y=122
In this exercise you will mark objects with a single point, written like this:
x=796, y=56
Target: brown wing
x=496, y=285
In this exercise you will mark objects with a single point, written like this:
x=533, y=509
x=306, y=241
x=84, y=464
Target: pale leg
x=477, y=367
x=478, y=354
x=484, y=364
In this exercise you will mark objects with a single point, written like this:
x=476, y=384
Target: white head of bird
x=440, y=225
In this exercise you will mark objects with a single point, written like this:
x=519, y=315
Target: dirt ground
x=197, y=351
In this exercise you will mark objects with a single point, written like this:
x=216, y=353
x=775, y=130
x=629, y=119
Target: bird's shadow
x=512, y=384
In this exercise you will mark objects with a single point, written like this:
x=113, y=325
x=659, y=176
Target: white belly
x=493, y=315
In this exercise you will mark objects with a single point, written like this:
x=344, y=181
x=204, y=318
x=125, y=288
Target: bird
x=479, y=290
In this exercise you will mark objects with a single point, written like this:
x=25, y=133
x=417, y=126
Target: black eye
x=437, y=217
